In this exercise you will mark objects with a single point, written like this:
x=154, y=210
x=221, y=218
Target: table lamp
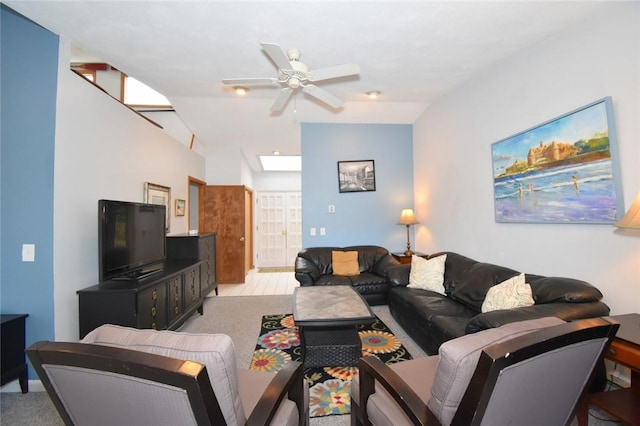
x=407, y=218
x=632, y=218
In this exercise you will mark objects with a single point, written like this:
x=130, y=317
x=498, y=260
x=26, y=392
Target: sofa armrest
x=564, y=311
x=306, y=272
x=382, y=266
x=398, y=275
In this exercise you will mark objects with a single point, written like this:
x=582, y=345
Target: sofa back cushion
x=468, y=281
x=563, y=290
x=459, y=358
x=319, y=256
x=368, y=256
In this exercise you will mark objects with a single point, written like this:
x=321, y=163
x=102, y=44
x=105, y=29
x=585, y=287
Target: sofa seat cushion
x=333, y=280
x=446, y=327
x=427, y=304
x=368, y=283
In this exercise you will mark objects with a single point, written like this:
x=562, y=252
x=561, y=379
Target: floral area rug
x=329, y=387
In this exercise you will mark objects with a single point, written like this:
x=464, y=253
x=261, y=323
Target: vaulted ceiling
x=412, y=52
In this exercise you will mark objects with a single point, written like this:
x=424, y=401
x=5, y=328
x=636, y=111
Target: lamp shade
x=407, y=217
x=632, y=218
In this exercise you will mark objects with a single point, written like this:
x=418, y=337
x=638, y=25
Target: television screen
x=131, y=238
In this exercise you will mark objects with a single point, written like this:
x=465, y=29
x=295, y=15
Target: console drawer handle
x=612, y=351
x=154, y=295
x=153, y=311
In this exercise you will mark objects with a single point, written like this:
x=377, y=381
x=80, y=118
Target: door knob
x=241, y=238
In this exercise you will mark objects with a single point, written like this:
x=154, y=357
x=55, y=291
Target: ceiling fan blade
x=233, y=81
x=282, y=99
x=333, y=72
x=323, y=96
x=277, y=55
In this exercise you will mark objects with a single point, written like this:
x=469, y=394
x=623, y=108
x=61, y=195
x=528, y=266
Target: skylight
x=281, y=163
x=138, y=93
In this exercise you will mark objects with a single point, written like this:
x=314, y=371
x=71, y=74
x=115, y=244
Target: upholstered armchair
x=120, y=375
x=526, y=373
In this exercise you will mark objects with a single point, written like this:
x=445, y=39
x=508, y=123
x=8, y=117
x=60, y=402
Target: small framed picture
x=356, y=176
x=158, y=194
x=180, y=207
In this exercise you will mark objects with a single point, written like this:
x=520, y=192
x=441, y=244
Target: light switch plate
x=28, y=252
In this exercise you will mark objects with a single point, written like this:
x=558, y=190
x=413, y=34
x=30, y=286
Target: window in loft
x=88, y=74
x=138, y=94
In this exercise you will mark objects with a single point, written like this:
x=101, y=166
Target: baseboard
x=12, y=387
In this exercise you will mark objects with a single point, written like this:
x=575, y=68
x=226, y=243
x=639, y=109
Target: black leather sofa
x=313, y=267
x=431, y=318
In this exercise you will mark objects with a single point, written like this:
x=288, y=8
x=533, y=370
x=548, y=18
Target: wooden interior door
x=226, y=214
x=248, y=227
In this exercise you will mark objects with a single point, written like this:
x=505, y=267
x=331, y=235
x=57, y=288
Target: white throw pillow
x=427, y=274
x=509, y=294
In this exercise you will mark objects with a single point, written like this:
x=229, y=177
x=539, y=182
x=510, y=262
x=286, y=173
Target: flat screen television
x=131, y=239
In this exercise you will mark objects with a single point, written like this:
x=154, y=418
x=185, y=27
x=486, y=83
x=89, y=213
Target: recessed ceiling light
x=276, y=152
x=373, y=94
x=240, y=90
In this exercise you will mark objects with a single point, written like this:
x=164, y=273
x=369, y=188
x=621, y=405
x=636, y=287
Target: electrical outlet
x=323, y=231
x=332, y=208
x=312, y=232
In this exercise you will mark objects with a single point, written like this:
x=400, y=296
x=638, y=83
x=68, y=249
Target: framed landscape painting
x=562, y=171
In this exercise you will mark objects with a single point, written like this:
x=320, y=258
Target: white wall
x=452, y=156
x=277, y=181
x=103, y=150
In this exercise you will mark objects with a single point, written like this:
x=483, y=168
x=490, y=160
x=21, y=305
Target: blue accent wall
x=360, y=217
x=29, y=71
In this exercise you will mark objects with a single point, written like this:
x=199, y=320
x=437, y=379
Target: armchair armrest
x=306, y=272
x=288, y=381
x=371, y=369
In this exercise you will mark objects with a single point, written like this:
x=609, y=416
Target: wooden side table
x=625, y=349
x=13, y=360
x=403, y=258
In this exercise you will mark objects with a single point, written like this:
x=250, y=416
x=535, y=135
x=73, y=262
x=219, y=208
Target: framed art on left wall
x=158, y=194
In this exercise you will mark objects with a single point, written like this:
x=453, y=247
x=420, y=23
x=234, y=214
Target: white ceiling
x=413, y=52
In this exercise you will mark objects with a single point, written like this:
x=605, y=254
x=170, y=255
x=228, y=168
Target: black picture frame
x=356, y=176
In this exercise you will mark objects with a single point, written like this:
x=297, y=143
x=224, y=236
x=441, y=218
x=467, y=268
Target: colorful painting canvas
x=562, y=171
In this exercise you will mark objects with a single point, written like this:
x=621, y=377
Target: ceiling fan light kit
x=293, y=75
x=240, y=90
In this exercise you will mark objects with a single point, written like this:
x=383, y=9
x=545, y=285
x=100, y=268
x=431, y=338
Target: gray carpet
x=239, y=317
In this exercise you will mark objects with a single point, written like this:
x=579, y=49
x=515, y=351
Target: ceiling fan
x=293, y=74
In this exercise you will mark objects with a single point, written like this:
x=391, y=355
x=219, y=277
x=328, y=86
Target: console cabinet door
x=175, y=301
x=192, y=286
x=152, y=307
x=207, y=249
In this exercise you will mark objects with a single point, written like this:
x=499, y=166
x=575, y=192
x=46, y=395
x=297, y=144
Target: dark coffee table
x=327, y=316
